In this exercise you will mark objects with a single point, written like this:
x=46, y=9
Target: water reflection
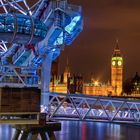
x=6, y=132
x=97, y=131
x=76, y=130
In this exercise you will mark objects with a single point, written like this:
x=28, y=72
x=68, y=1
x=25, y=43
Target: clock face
x=119, y=63
x=113, y=63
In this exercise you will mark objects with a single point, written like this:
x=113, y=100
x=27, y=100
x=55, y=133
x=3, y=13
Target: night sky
x=104, y=21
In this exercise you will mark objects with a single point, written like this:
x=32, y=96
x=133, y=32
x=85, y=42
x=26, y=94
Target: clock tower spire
x=117, y=71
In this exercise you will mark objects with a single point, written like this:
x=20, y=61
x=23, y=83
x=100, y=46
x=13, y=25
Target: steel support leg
x=24, y=135
x=43, y=136
x=51, y=135
x=34, y=136
x=45, y=79
x=16, y=135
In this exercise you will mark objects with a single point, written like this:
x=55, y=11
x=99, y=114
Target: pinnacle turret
x=117, y=52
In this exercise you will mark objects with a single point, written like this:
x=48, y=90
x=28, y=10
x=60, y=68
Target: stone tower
x=117, y=71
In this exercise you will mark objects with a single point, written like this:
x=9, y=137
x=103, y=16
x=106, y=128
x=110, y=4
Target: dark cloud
x=104, y=21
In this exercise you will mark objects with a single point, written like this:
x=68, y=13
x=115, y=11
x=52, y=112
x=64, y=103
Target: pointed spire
x=66, y=72
x=117, y=51
x=137, y=75
x=67, y=69
x=117, y=40
x=117, y=44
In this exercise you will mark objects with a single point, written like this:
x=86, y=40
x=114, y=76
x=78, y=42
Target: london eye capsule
x=22, y=29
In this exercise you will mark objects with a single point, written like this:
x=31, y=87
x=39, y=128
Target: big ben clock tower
x=117, y=71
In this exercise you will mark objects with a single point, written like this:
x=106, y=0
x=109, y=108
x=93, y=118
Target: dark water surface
x=76, y=130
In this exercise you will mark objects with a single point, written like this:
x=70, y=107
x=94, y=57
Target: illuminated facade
x=74, y=84
x=60, y=83
x=113, y=89
x=117, y=71
x=67, y=83
x=98, y=90
x=66, y=74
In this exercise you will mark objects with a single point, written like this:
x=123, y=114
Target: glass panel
x=28, y=26
x=9, y=20
x=43, y=33
x=20, y=20
x=40, y=25
x=9, y=23
x=2, y=18
x=28, y=22
x=40, y=29
x=24, y=25
x=1, y=27
x=20, y=29
x=9, y=28
x=20, y=24
x=37, y=32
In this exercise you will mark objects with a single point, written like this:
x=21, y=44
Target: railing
x=12, y=76
x=93, y=108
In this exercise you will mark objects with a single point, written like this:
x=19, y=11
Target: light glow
x=113, y=63
x=117, y=58
x=54, y=50
x=96, y=83
x=119, y=63
x=59, y=40
x=69, y=28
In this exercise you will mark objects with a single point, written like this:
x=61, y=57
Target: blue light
x=69, y=28
x=54, y=50
x=59, y=40
x=56, y=53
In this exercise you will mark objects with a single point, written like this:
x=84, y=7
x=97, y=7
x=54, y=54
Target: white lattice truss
x=93, y=108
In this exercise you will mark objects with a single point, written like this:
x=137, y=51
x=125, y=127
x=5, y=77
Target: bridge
x=93, y=108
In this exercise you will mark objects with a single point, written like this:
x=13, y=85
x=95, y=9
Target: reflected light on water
x=6, y=132
x=76, y=130
x=113, y=131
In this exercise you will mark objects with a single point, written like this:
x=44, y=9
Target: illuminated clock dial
x=119, y=63
x=113, y=63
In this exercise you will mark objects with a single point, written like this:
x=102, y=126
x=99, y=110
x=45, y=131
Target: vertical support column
x=51, y=135
x=16, y=135
x=24, y=135
x=43, y=135
x=34, y=136
x=45, y=79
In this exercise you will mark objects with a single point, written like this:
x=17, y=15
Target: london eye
x=32, y=36
x=36, y=29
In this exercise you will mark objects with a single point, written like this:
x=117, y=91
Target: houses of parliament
x=68, y=83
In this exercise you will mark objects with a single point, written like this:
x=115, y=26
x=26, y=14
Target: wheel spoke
x=4, y=7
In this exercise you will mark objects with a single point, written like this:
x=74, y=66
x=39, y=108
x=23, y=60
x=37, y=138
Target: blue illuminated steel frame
x=61, y=25
x=37, y=35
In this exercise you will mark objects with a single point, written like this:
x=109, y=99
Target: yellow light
x=117, y=58
x=119, y=63
x=113, y=63
x=96, y=83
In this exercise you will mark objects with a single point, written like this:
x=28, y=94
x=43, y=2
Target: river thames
x=76, y=130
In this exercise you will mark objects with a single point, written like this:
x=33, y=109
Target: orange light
x=96, y=83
